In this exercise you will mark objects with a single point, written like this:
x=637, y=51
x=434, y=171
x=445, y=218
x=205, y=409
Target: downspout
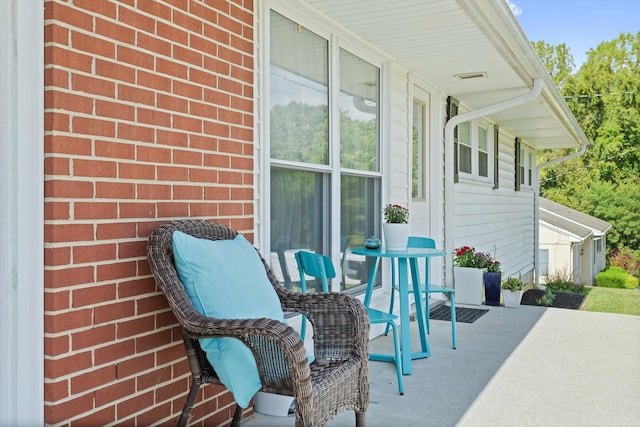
x=536, y=207
x=448, y=144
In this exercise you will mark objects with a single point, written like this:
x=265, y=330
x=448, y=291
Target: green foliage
x=606, y=300
x=616, y=277
x=547, y=298
x=627, y=259
x=513, y=284
x=604, y=96
x=561, y=281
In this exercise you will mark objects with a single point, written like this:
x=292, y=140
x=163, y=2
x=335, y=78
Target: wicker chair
x=337, y=378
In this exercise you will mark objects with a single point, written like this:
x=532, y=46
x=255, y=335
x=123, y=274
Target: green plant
x=616, y=277
x=562, y=281
x=607, y=300
x=396, y=214
x=513, y=284
x=547, y=298
x=467, y=256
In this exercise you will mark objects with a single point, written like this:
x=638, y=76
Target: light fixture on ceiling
x=471, y=75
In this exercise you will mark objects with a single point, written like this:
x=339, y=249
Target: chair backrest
x=315, y=265
x=421, y=242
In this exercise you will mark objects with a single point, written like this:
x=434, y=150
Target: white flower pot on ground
x=511, y=298
x=468, y=284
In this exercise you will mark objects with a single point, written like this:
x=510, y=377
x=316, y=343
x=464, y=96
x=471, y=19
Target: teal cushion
x=226, y=279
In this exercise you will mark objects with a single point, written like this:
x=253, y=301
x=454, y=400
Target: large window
x=324, y=151
x=475, y=145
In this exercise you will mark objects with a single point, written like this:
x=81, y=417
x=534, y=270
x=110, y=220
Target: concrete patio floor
x=528, y=366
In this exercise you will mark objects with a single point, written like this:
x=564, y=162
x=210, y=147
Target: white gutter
x=536, y=207
x=448, y=144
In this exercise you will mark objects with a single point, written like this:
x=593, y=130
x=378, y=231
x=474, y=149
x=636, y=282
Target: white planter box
x=511, y=298
x=468, y=284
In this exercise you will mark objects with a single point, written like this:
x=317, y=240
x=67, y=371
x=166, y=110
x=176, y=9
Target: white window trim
x=474, y=175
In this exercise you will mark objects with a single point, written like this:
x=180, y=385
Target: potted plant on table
x=468, y=266
x=396, y=227
x=512, y=291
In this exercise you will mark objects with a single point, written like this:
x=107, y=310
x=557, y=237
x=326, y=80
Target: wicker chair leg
x=237, y=417
x=360, y=419
x=191, y=398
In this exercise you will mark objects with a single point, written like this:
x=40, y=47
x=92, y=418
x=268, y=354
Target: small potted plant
x=492, y=278
x=512, y=291
x=468, y=269
x=396, y=227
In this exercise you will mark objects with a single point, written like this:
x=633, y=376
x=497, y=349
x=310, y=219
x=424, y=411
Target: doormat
x=463, y=314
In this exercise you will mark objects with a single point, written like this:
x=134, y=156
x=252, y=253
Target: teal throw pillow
x=226, y=279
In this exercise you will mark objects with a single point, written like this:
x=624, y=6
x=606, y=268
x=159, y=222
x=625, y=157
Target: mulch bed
x=562, y=299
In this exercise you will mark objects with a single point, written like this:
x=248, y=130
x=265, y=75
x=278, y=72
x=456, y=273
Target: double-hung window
x=475, y=145
x=323, y=133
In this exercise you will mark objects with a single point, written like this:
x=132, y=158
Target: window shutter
x=496, y=156
x=517, y=162
x=452, y=110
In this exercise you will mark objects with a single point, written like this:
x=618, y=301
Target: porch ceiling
x=438, y=39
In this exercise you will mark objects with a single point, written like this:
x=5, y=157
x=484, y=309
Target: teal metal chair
x=321, y=267
x=425, y=242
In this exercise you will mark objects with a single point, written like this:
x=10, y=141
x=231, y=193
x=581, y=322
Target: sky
x=580, y=24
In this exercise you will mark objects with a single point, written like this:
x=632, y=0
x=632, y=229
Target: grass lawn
x=610, y=300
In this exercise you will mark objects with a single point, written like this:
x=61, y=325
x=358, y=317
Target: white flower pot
x=468, y=284
x=511, y=298
x=396, y=236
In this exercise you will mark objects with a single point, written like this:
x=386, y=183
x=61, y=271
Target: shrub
x=562, y=281
x=627, y=259
x=616, y=277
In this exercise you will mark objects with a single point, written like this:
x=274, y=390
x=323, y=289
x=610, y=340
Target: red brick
x=217, y=66
x=115, y=190
x=69, y=102
x=114, y=110
x=172, y=68
x=115, y=150
x=187, y=90
x=111, y=312
x=203, y=209
x=64, y=144
x=173, y=210
x=217, y=193
x=56, y=34
x=173, y=103
x=93, y=85
x=153, y=192
x=134, y=365
x=135, y=404
x=154, y=44
x=151, y=304
x=56, y=121
x=64, y=58
x=56, y=166
x=135, y=326
x=54, y=391
x=136, y=171
x=136, y=20
x=187, y=123
x=92, y=126
x=136, y=287
x=174, y=353
x=153, y=117
x=115, y=231
x=115, y=271
x=93, y=45
x=134, y=57
x=55, y=346
x=100, y=417
x=93, y=379
x=187, y=21
x=68, y=232
x=132, y=249
x=200, y=109
x=152, y=341
x=56, y=300
x=68, y=277
x=54, y=368
x=137, y=210
x=115, y=391
x=136, y=94
x=187, y=192
x=93, y=337
x=203, y=44
x=153, y=81
x=135, y=132
x=94, y=294
x=154, y=415
x=61, y=189
x=61, y=411
x=173, y=33
x=95, y=210
x=54, y=77
x=115, y=71
x=114, y=351
x=57, y=211
x=176, y=139
x=114, y=31
x=170, y=391
x=217, y=160
x=229, y=116
x=102, y=8
x=203, y=142
x=217, y=129
x=184, y=157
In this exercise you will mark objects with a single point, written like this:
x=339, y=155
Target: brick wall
x=148, y=118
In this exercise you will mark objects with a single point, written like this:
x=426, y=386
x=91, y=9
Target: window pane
x=417, y=164
x=464, y=134
x=464, y=158
x=299, y=203
x=359, y=95
x=299, y=128
x=360, y=217
x=483, y=160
